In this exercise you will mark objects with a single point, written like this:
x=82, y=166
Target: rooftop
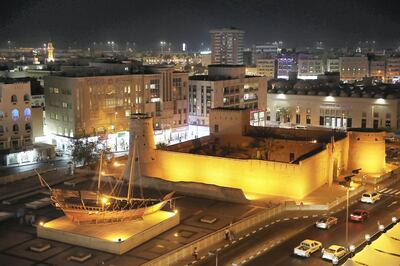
x=324, y=88
x=217, y=78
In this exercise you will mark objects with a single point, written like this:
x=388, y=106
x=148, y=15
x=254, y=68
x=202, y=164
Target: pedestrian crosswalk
x=390, y=191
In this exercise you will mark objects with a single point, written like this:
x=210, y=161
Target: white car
x=307, y=247
x=326, y=222
x=334, y=252
x=370, y=197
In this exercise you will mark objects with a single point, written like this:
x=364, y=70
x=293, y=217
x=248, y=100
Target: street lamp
x=347, y=185
x=212, y=253
x=394, y=219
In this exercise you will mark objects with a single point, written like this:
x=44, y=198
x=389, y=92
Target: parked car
x=359, y=216
x=370, y=197
x=307, y=247
x=334, y=252
x=326, y=222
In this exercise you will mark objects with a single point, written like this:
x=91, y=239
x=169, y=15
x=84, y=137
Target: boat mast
x=131, y=170
x=99, y=178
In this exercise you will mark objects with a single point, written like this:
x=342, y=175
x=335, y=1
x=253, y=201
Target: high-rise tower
x=50, y=52
x=227, y=46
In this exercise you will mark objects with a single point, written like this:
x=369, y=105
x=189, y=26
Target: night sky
x=146, y=22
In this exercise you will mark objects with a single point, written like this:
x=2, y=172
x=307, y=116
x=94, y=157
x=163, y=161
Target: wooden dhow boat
x=82, y=206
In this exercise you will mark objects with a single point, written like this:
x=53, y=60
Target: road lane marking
x=286, y=219
x=305, y=216
x=251, y=257
x=244, y=261
x=278, y=220
x=240, y=238
x=234, y=241
x=393, y=203
x=272, y=223
x=266, y=225
x=247, y=235
x=295, y=218
x=383, y=189
x=218, y=249
x=389, y=191
x=254, y=232
x=397, y=193
x=259, y=229
x=258, y=252
x=315, y=215
x=226, y=245
x=203, y=257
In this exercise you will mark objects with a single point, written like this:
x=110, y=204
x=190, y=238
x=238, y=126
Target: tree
x=87, y=152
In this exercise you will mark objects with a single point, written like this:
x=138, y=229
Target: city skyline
x=343, y=23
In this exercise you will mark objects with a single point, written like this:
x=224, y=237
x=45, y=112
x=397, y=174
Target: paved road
x=381, y=211
x=4, y=171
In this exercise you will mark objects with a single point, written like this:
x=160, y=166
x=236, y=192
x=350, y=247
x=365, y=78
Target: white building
x=332, y=65
x=309, y=68
x=334, y=107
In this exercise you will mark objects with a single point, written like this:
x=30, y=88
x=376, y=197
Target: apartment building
x=82, y=105
x=227, y=46
x=15, y=121
x=226, y=86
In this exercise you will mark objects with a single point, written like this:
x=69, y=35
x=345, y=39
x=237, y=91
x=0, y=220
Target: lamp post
x=347, y=185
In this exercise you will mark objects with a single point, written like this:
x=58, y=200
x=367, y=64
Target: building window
x=308, y=119
x=15, y=128
x=363, y=123
x=28, y=126
x=349, y=122
x=14, y=114
x=321, y=120
x=216, y=128
x=26, y=98
x=1, y=114
x=297, y=118
x=388, y=124
x=1, y=129
x=291, y=157
x=14, y=98
x=27, y=113
x=376, y=123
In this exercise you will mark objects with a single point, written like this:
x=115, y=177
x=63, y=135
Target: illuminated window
x=1, y=114
x=14, y=114
x=27, y=113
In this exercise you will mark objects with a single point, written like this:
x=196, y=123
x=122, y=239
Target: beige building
x=392, y=69
x=267, y=67
x=377, y=70
x=15, y=121
x=353, y=68
x=225, y=86
x=227, y=46
x=100, y=105
x=334, y=108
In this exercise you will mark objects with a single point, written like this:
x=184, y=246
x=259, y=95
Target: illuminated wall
x=252, y=176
